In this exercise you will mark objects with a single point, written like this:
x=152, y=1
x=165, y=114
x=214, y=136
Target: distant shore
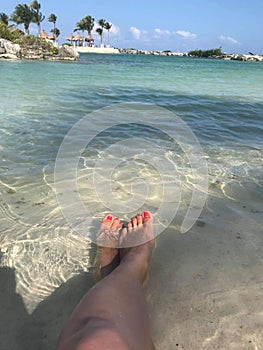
x=9, y=50
x=111, y=50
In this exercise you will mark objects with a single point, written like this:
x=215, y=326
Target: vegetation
x=38, y=16
x=101, y=23
x=53, y=19
x=85, y=24
x=100, y=32
x=56, y=32
x=11, y=34
x=17, y=37
x=89, y=24
x=4, y=18
x=206, y=53
x=25, y=15
x=37, y=43
x=108, y=26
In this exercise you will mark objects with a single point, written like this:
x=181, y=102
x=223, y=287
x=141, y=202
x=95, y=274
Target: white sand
x=104, y=50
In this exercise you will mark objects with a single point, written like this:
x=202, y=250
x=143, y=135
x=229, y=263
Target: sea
x=121, y=134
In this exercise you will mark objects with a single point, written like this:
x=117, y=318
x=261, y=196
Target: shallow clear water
x=221, y=101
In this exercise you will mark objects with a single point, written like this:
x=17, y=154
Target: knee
x=97, y=334
x=104, y=337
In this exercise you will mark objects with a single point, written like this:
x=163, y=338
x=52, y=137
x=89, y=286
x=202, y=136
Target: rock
x=9, y=47
x=8, y=50
x=68, y=53
x=64, y=53
x=8, y=56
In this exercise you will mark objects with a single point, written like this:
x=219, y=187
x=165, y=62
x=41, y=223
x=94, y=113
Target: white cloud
x=137, y=33
x=162, y=32
x=229, y=39
x=186, y=35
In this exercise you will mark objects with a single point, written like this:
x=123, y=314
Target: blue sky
x=235, y=25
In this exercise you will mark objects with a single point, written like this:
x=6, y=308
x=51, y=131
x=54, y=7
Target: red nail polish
x=109, y=217
x=146, y=214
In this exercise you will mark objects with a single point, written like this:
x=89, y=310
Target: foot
x=107, y=257
x=137, y=242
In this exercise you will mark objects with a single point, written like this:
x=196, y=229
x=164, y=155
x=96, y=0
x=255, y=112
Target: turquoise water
x=221, y=101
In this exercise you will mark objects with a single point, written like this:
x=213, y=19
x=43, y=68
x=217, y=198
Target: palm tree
x=101, y=23
x=23, y=14
x=56, y=33
x=100, y=32
x=4, y=18
x=89, y=24
x=86, y=23
x=38, y=16
x=53, y=19
x=81, y=25
x=108, y=26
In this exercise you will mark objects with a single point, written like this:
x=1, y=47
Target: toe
x=134, y=221
x=129, y=225
x=107, y=221
x=116, y=223
x=146, y=216
x=139, y=219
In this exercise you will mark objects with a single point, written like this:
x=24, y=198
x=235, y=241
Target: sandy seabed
x=204, y=291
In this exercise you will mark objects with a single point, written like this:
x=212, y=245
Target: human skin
x=113, y=314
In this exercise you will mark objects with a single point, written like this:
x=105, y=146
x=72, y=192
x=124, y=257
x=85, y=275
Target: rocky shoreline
x=234, y=57
x=9, y=50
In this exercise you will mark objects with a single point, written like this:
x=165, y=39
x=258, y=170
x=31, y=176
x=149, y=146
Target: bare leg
x=113, y=314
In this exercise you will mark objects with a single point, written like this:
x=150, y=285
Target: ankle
x=137, y=262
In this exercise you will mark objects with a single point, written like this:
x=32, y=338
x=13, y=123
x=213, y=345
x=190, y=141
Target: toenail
x=109, y=217
x=146, y=214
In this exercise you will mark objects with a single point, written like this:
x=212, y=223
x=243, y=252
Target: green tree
x=101, y=23
x=86, y=23
x=56, y=33
x=81, y=25
x=89, y=23
x=217, y=52
x=100, y=32
x=53, y=19
x=23, y=14
x=108, y=26
x=38, y=16
x=4, y=18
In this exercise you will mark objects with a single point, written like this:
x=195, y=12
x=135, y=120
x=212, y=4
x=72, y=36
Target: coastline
x=129, y=51
x=11, y=51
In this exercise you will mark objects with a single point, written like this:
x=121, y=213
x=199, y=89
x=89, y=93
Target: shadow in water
x=40, y=330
